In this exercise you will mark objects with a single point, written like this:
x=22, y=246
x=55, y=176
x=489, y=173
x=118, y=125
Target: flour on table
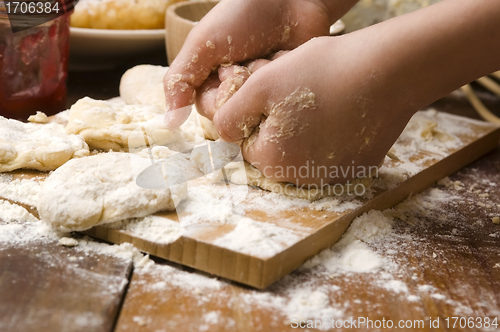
x=19, y=190
x=351, y=253
x=42, y=147
x=258, y=239
x=18, y=226
x=101, y=189
x=152, y=228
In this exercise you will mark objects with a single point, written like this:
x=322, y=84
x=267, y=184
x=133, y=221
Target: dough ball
x=143, y=84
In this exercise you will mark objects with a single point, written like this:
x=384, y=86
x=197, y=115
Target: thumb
x=243, y=112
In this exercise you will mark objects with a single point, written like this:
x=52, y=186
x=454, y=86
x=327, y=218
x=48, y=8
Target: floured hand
x=297, y=113
x=240, y=30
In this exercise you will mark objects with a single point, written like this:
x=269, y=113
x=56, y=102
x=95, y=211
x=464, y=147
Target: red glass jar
x=33, y=66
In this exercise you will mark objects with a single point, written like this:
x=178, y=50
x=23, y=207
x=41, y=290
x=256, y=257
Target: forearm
x=410, y=61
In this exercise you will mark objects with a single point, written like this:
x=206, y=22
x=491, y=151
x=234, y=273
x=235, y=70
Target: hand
x=308, y=111
x=240, y=30
x=343, y=101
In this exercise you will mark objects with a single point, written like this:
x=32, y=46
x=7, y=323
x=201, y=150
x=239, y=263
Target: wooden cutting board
x=317, y=230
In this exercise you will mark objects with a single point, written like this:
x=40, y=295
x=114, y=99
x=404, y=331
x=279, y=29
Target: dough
x=120, y=14
x=208, y=128
x=42, y=147
x=39, y=117
x=109, y=125
x=102, y=189
x=143, y=85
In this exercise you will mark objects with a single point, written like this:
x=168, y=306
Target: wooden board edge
x=262, y=273
x=330, y=234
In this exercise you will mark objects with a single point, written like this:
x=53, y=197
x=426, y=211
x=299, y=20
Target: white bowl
x=105, y=49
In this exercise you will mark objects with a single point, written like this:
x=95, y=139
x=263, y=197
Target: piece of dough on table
x=143, y=84
x=108, y=125
x=42, y=147
x=102, y=189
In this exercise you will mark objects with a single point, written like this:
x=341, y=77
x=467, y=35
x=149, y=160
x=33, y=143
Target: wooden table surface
x=448, y=264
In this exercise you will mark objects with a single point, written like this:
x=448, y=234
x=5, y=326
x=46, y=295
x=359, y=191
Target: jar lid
x=24, y=15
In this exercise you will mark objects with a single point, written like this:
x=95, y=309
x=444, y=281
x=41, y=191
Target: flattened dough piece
x=108, y=125
x=143, y=84
x=101, y=189
x=42, y=147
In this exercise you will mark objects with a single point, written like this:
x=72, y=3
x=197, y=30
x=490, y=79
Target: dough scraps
x=102, y=189
x=42, y=147
x=109, y=125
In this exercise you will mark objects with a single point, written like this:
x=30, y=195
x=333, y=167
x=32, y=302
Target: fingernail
x=175, y=118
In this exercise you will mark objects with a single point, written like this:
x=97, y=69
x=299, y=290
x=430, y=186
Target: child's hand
x=240, y=30
x=309, y=108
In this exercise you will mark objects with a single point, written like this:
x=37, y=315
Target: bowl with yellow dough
x=105, y=33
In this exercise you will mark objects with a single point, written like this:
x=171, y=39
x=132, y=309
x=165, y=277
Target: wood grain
x=46, y=287
x=450, y=265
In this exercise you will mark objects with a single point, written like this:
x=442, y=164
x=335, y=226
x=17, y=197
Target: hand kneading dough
x=110, y=125
x=143, y=84
x=42, y=147
x=101, y=189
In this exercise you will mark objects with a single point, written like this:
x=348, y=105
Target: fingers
x=233, y=31
x=218, y=88
x=242, y=113
x=206, y=96
x=255, y=65
x=189, y=70
x=232, y=79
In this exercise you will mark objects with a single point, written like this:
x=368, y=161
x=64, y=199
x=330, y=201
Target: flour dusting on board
x=19, y=190
x=369, y=250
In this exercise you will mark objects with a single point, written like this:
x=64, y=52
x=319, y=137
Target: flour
x=11, y=213
x=19, y=226
x=152, y=228
x=257, y=238
x=24, y=191
x=352, y=253
x=367, y=248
